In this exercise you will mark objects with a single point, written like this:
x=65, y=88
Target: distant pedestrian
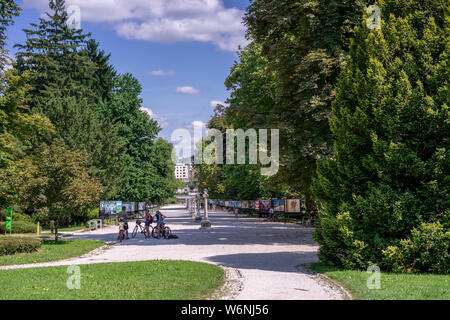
x=236, y=213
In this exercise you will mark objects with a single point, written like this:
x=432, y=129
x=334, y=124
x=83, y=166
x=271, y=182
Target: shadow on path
x=271, y=261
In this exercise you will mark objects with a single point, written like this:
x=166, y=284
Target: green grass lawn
x=51, y=251
x=148, y=280
x=30, y=235
x=394, y=286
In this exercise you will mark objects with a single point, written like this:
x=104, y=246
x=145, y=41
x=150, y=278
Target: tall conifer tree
x=391, y=129
x=65, y=88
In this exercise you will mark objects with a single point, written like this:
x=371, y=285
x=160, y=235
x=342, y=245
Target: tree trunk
x=311, y=204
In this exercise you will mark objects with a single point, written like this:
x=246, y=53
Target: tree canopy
x=72, y=130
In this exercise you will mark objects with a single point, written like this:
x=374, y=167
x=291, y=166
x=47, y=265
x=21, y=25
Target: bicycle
x=139, y=228
x=165, y=232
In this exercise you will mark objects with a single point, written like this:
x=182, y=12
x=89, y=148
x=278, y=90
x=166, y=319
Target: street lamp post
x=205, y=222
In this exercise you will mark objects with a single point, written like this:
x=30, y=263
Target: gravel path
x=263, y=260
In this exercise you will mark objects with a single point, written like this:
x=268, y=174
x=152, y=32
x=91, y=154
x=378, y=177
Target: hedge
x=19, y=227
x=12, y=245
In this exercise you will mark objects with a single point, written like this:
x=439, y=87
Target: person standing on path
x=159, y=222
x=148, y=222
x=125, y=221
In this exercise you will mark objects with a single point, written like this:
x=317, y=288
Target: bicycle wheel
x=155, y=232
x=135, y=231
x=150, y=232
x=167, y=232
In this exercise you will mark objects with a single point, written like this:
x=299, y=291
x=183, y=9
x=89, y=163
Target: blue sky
x=166, y=44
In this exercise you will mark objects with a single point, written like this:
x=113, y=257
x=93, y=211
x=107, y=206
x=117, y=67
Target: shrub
x=427, y=250
x=13, y=245
x=19, y=227
x=93, y=213
x=23, y=217
x=338, y=243
x=172, y=201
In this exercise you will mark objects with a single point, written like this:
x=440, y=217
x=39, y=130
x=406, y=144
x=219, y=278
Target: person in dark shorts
x=148, y=222
x=125, y=221
x=159, y=222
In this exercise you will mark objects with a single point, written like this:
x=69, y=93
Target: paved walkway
x=265, y=257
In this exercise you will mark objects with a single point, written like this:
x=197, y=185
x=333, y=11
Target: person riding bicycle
x=159, y=222
x=121, y=228
x=148, y=222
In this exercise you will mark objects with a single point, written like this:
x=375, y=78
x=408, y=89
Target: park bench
x=95, y=224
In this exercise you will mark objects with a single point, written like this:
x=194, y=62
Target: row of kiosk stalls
x=113, y=209
x=273, y=209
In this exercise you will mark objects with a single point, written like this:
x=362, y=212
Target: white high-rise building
x=182, y=171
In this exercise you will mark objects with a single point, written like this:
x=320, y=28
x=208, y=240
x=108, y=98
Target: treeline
x=72, y=130
x=364, y=125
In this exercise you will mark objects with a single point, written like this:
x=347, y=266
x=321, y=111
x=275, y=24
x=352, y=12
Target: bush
x=19, y=227
x=17, y=216
x=339, y=246
x=93, y=213
x=427, y=250
x=13, y=245
x=23, y=217
x=172, y=201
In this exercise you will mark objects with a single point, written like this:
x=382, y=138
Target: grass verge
x=148, y=280
x=394, y=286
x=51, y=251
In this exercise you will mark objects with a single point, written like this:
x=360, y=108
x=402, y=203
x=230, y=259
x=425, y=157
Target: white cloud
x=163, y=123
x=161, y=73
x=198, y=124
x=165, y=21
x=214, y=103
x=187, y=90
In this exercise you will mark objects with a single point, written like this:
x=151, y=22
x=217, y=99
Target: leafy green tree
x=303, y=43
x=18, y=128
x=137, y=132
x=390, y=126
x=164, y=184
x=180, y=184
x=61, y=187
x=69, y=78
x=253, y=89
